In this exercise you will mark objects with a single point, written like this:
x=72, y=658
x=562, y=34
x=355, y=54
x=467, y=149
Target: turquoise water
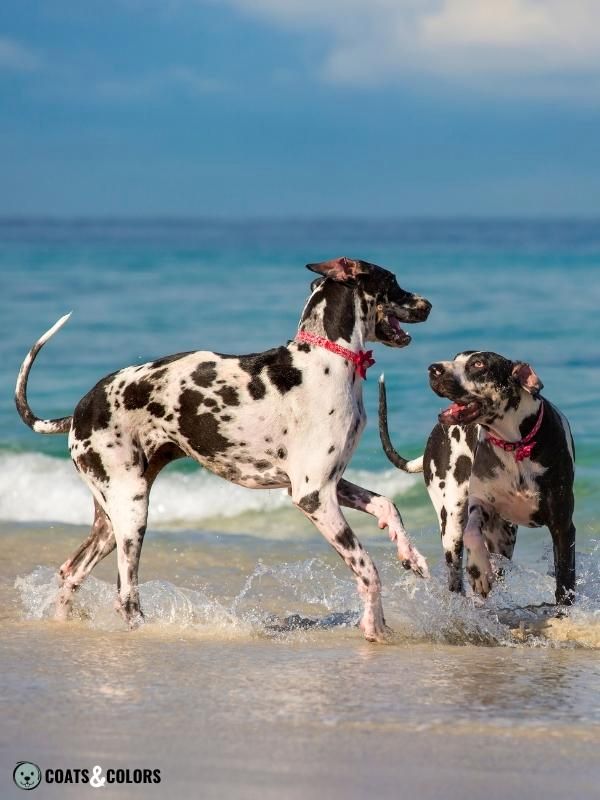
x=528, y=290
x=224, y=567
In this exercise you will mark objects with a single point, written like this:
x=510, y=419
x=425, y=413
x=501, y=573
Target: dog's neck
x=510, y=426
x=338, y=313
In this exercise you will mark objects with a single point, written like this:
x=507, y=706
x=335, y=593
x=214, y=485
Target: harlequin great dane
x=501, y=456
x=289, y=417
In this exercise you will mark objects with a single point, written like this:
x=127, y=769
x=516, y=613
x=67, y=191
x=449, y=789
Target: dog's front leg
x=500, y=536
x=387, y=516
x=563, y=540
x=321, y=506
x=479, y=567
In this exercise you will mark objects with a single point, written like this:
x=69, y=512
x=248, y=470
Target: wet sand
x=248, y=719
x=227, y=709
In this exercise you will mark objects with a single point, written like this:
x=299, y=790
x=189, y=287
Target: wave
x=40, y=488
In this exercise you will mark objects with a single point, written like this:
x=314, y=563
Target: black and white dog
x=289, y=417
x=500, y=456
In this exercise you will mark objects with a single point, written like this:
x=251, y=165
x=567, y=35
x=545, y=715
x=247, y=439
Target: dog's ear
x=340, y=269
x=526, y=377
x=315, y=283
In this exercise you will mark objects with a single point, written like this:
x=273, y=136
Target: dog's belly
x=253, y=473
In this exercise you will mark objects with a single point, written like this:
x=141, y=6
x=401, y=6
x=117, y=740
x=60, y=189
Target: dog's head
x=482, y=386
x=383, y=303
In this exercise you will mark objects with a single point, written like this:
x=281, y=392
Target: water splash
x=303, y=597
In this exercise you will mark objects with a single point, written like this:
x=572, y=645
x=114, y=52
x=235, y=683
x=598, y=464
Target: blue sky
x=298, y=107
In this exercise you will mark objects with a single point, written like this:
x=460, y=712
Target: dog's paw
x=412, y=559
x=379, y=634
x=136, y=621
x=130, y=612
x=481, y=575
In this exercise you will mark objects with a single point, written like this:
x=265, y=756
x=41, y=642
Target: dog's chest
x=510, y=486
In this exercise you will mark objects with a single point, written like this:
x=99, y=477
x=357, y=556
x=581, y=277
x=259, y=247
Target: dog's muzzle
x=464, y=409
x=389, y=316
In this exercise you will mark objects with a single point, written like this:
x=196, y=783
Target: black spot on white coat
x=200, y=430
x=310, y=502
x=137, y=394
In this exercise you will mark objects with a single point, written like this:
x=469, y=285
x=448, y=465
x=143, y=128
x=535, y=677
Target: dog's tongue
x=402, y=334
x=452, y=413
x=457, y=412
x=394, y=323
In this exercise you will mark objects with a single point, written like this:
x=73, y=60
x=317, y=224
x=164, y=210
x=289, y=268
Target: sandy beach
x=227, y=707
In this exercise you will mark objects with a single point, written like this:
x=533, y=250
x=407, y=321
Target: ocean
x=225, y=569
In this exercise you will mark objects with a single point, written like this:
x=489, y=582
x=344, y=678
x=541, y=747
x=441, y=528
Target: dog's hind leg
x=121, y=491
x=387, y=516
x=321, y=506
x=74, y=571
x=116, y=479
x=127, y=507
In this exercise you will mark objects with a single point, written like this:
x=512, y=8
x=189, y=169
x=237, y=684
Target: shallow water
x=250, y=678
x=229, y=697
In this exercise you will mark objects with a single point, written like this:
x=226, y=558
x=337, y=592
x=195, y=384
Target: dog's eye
x=479, y=364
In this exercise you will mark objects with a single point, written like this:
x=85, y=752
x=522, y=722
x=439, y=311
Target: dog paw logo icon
x=27, y=775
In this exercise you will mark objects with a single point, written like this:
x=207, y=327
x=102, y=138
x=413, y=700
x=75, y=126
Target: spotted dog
x=289, y=417
x=501, y=456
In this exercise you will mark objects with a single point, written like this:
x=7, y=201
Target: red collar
x=522, y=449
x=361, y=360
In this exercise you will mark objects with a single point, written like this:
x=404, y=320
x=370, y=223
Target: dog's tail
x=416, y=465
x=61, y=425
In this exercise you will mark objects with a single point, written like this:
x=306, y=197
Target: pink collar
x=361, y=360
x=522, y=449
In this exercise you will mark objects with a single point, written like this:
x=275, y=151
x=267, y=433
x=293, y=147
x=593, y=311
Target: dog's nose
x=422, y=308
x=435, y=370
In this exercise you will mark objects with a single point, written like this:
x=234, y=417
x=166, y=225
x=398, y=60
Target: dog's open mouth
x=461, y=413
x=389, y=332
x=400, y=336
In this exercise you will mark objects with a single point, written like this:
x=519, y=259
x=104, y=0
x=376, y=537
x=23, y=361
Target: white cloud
x=15, y=57
x=466, y=40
